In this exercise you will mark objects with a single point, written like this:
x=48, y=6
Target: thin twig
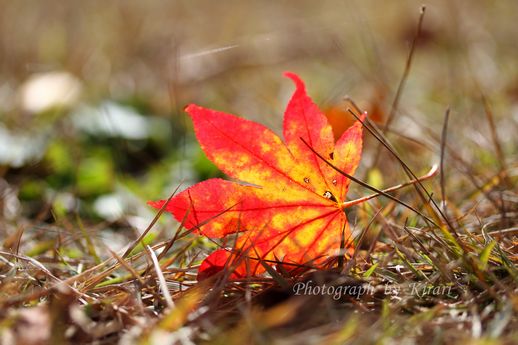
x=395, y=104
x=443, y=152
x=433, y=171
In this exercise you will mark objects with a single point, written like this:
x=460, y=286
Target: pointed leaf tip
x=190, y=108
x=156, y=204
x=296, y=79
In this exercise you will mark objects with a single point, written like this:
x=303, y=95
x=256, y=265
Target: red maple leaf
x=286, y=203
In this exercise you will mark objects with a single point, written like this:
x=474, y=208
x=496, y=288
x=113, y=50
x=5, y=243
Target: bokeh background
x=92, y=95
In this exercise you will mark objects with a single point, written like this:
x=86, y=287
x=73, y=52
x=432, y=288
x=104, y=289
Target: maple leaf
x=287, y=203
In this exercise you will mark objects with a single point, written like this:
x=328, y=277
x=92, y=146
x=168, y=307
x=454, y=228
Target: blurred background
x=92, y=95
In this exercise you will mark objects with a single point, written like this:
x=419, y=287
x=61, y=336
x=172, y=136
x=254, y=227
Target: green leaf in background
x=375, y=179
x=370, y=271
x=41, y=247
x=204, y=168
x=147, y=240
x=485, y=254
x=95, y=174
x=59, y=158
x=32, y=190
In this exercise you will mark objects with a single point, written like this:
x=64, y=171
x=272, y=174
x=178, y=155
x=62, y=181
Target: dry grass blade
x=163, y=284
x=127, y=266
x=150, y=226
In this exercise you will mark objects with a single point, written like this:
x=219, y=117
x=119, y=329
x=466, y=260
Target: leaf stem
x=433, y=171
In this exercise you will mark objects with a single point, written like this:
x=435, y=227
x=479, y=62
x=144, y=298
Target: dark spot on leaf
x=329, y=195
